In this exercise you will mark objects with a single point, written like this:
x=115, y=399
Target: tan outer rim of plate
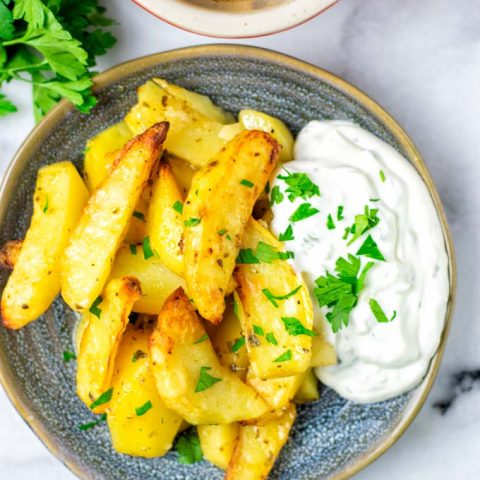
x=124, y=70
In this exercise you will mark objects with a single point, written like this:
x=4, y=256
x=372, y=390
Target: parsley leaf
x=272, y=298
x=94, y=308
x=340, y=213
x=382, y=175
x=257, y=330
x=89, y=425
x=138, y=355
x=178, y=207
x=363, y=223
x=45, y=206
x=377, y=310
x=299, y=185
x=264, y=253
x=303, y=211
x=133, y=249
x=143, y=409
x=239, y=343
x=370, y=249
x=202, y=339
x=192, y=222
x=276, y=196
x=189, y=449
x=287, y=235
x=246, y=183
x=294, y=327
x=6, y=106
x=284, y=357
x=330, y=222
x=270, y=338
x=147, y=249
x=205, y=380
x=67, y=356
x=105, y=397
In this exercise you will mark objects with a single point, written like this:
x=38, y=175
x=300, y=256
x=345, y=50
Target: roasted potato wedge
x=258, y=446
x=229, y=342
x=189, y=377
x=218, y=442
x=107, y=321
x=308, y=391
x=200, y=103
x=59, y=198
x=101, y=151
x=89, y=256
x=138, y=420
x=157, y=281
x=216, y=210
x=323, y=353
x=278, y=331
x=253, y=120
x=9, y=253
x=183, y=173
x=277, y=392
x=165, y=221
x=192, y=136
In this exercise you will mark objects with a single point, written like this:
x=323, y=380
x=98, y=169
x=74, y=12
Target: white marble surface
x=420, y=60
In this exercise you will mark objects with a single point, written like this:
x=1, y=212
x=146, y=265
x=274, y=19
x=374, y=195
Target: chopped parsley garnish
x=239, y=343
x=276, y=196
x=264, y=253
x=143, y=409
x=340, y=213
x=364, y=222
x=382, y=175
x=189, y=449
x=270, y=338
x=287, y=235
x=222, y=232
x=147, y=249
x=303, y=211
x=205, y=380
x=374, y=199
x=370, y=249
x=341, y=293
x=272, y=298
x=377, y=310
x=89, y=425
x=139, y=215
x=299, y=185
x=138, y=355
x=133, y=249
x=284, y=357
x=67, y=356
x=294, y=327
x=345, y=235
x=330, y=222
x=246, y=183
x=203, y=338
x=105, y=397
x=178, y=207
x=257, y=330
x=45, y=207
x=192, y=222
x=228, y=237
x=94, y=310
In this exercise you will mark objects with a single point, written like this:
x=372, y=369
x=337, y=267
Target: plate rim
x=125, y=69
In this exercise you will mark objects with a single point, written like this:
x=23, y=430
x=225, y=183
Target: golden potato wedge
x=9, y=253
x=253, y=120
x=138, y=420
x=277, y=392
x=308, y=391
x=258, y=447
x=137, y=225
x=183, y=173
x=89, y=256
x=107, y=320
x=278, y=330
x=216, y=210
x=189, y=377
x=157, y=281
x=229, y=132
x=59, y=198
x=191, y=136
x=101, y=151
x=200, y=103
x=218, y=442
x=229, y=342
x=323, y=353
x=165, y=221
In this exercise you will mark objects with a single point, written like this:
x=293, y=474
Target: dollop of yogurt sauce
x=353, y=168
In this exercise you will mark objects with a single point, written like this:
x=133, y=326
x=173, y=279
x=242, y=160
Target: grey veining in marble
x=421, y=61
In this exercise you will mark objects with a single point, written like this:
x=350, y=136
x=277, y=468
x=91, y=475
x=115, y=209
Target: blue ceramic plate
x=332, y=437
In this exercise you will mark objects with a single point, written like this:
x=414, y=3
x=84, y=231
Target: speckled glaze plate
x=332, y=437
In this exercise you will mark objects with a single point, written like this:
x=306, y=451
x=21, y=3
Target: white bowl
x=235, y=18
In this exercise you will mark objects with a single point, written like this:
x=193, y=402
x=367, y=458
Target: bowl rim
x=125, y=69
x=192, y=12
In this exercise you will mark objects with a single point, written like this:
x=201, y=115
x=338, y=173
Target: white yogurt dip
x=353, y=168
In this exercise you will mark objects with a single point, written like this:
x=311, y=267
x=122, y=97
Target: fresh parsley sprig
x=51, y=44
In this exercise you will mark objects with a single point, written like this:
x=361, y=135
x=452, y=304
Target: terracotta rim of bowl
x=255, y=34
x=123, y=70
